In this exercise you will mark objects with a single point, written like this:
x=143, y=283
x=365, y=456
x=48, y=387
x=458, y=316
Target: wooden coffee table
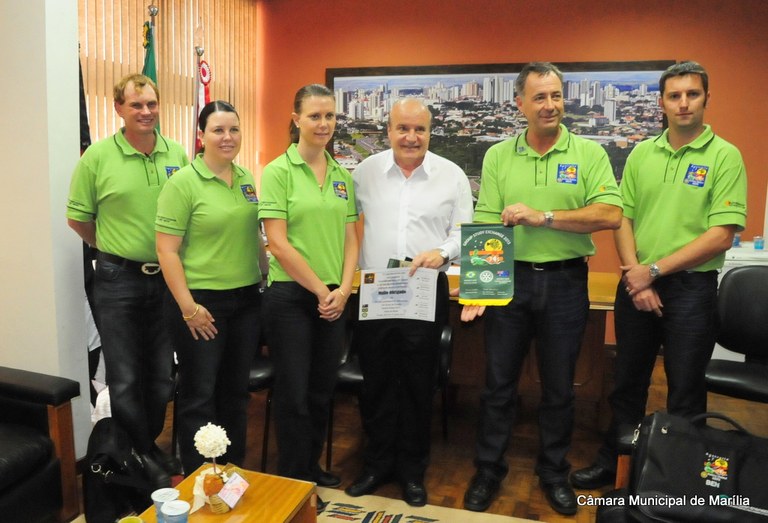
x=269, y=499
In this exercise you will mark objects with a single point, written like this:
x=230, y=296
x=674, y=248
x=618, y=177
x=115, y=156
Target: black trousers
x=213, y=374
x=550, y=307
x=307, y=351
x=399, y=363
x=686, y=330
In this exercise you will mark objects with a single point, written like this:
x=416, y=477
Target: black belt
x=148, y=268
x=552, y=265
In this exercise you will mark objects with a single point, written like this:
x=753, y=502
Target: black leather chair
x=38, y=480
x=742, y=305
x=350, y=381
x=261, y=377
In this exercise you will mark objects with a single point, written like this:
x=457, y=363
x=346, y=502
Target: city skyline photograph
x=351, y=83
x=472, y=110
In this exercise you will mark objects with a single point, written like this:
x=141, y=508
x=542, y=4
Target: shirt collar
x=391, y=166
x=701, y=140
x=293, y=155
x=522, y=148
x=295, y=158
x=161, y=146
x=200, y=167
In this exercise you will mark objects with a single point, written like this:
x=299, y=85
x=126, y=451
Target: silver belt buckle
x=535, y=266
x=150, y=269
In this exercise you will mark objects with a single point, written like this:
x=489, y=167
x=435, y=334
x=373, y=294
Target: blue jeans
x=306, y=351
x=138, y=355
x=686, y=330
x=213, y=374
x=550, y=307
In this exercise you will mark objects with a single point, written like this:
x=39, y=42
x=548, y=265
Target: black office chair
x=444, y=372
x=350, y=381
x=261, y=377
x=742, y=305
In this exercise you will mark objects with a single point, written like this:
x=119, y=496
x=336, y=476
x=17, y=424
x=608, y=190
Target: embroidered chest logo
x=170, y=170
x=568, y=173
x=249, y=192
x=340, y=189
x=696, y=175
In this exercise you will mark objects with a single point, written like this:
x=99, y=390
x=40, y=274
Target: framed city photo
x=473, y=107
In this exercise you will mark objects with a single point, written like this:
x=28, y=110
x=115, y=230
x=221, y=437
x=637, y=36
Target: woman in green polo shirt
x=208, y=245
x=308, y=209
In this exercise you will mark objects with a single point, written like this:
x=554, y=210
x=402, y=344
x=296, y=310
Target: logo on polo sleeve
x=568, y=173
x=696, y=175
x=340, y=189
x=249, y=192
x=170, y=170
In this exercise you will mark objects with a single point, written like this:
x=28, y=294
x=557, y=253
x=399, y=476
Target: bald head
x=410, y=107
x=408, y=130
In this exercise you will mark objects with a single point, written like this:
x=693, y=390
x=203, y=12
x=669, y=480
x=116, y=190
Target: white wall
x=41, y=297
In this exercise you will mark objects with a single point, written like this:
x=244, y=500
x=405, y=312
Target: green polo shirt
x=219, y=223
x=574, y=173
x=316, y=217
x=117, y=186
x=675, y=196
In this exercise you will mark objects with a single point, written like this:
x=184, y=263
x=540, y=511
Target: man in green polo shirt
x=112, y=205
x=555, y=188
x=685, y=195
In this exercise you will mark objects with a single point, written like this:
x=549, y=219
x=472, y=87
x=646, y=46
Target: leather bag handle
x=723, y=417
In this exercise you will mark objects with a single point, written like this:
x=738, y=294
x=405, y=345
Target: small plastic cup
x=759, y=243
x=176, y=511
x=162, y=496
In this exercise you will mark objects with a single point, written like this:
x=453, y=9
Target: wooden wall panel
x=111, y=47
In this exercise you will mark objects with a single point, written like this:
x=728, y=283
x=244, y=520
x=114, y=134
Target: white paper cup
x=176, y=511
x=161, y=496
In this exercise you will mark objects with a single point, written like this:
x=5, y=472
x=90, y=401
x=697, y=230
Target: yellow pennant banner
x=487, y=264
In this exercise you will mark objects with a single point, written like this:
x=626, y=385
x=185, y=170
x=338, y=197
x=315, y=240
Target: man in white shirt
x=411, y=202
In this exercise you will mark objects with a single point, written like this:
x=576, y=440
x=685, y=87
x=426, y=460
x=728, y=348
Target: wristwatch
x=654, y=270
x=445, y=255
x=549, y=217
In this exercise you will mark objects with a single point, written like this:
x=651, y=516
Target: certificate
x=393, y=294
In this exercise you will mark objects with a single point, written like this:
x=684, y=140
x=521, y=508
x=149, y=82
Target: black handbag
x=114, y=483
x=685, y=470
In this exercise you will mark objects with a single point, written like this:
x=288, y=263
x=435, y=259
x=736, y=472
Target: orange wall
x=303, y=38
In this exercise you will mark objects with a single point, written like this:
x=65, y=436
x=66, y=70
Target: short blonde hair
x=139, y=82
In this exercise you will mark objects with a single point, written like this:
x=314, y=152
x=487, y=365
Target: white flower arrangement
x=211, y=441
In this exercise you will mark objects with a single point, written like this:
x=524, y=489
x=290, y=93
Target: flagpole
x=199, y=50
x=150, y=49
x=153, y=10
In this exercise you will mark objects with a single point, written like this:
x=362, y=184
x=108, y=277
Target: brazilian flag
x=150, y=65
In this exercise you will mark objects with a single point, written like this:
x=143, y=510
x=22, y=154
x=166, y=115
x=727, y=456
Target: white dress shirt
x=407, y=216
